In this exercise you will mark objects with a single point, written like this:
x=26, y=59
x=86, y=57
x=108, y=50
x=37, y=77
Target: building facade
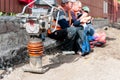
x=98, y=8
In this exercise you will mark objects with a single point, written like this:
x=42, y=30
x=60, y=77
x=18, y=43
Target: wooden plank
x=15, y=8
x=11, y=6
x=20, y=7
x=2, y=6
x=7, y=5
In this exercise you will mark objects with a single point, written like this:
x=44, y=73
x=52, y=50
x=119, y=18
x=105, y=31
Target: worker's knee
x=71, y=32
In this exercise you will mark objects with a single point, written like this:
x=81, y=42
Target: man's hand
x=85, y=19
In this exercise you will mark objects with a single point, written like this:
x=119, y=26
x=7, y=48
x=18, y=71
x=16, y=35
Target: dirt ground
x=102, y=64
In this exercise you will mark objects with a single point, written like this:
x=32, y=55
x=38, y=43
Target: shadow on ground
x=62, y=59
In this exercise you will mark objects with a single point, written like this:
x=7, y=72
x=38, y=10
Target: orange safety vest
x=53, y=25
x=49, y=31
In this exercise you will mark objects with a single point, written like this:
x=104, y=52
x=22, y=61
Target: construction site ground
x=102, y=64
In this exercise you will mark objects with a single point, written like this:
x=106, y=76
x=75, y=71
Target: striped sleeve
x=62, y=20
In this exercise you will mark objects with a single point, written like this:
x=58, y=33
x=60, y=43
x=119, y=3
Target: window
x=105, y=7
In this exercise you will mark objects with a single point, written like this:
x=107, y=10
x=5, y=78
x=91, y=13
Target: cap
x=65, y=1
x=86, y=8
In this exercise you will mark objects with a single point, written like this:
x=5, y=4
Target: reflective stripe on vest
x=53, y=25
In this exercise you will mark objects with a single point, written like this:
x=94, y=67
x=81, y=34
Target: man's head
x=86, y=9
x=77, y=6
x=68, y=3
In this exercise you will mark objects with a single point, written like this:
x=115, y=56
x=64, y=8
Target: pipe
x=27, y=6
